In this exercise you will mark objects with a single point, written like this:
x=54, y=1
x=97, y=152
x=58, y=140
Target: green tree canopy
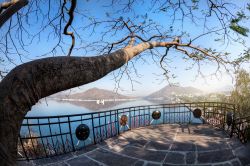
x=241, y=94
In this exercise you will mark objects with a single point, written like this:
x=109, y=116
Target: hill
x=172, y=90
x=96, y=94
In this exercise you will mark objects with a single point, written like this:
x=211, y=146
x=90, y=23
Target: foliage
x=244, y=58
x=31, y=147
x=211, y=97
x=239, y=29
x=76, y=28
x=236, y=27
x=241, y=93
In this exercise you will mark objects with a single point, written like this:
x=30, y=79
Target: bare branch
x=71, y=17
x=11, y=8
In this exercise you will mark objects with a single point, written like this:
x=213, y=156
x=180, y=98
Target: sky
x=151, y=78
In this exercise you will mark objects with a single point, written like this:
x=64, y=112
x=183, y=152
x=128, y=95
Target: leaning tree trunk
x=29, y=82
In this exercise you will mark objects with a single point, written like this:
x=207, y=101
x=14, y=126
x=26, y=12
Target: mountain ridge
x=97, y=94
x=172, y=90
x=163, y=93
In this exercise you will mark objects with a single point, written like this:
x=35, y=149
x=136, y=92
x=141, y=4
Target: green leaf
x=239, y=29
x=195, y=7
x=248, y=6
x=241, y=15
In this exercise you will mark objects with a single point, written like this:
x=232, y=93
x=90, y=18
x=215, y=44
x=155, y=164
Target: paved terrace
x=160, y=145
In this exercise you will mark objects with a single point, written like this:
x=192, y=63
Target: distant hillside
x=172, y=90
x=96, y=94
x=92, y=105
x=224, y=90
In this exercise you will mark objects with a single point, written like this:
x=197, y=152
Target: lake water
x=54, y=107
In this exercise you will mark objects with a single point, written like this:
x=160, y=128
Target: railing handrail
x=97, y=112
x=106, y=124
x=239, y=120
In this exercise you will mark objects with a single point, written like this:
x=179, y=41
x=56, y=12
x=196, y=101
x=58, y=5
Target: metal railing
x=241, y=128
x=49, y=136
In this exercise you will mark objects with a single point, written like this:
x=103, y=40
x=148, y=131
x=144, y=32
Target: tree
x=28, y=82
x=241, y=93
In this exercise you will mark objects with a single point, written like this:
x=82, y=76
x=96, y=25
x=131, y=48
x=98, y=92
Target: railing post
x=99, y=127
x=139, y=119
x=40, y=132
x=224, y=114
x=232, y=129
x=31, y=137
x=204, y=109
x=233, y=124
x=111, y=126
x=134, y=117
x=93, y=127
x=163, y=112
x=130, y=123
x=117, y=117
x=190, y=112
x=105, y=120
x=24, y=150
x=70, y=132
x=149, y=116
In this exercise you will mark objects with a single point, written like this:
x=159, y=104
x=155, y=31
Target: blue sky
x=150, y=78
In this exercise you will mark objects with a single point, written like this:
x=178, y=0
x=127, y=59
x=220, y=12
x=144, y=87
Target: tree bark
x=29, y=82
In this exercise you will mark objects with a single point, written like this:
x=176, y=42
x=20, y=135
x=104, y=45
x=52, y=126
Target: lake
x=57, y=107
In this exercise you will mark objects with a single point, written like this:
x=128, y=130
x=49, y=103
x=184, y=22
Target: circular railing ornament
x=156, y=115
x=123, y=120
x=229, y=119
x=82, y=132
x=197, y=113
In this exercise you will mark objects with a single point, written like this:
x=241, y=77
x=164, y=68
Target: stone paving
x=160, y=145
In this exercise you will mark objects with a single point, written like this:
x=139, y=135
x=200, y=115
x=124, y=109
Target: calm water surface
x=53, y=107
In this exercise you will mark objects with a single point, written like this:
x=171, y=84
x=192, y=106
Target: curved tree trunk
x=29, y=82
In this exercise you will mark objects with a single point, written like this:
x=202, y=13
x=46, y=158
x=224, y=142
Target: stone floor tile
x=82, y=160
x=215, y=156
x=212, y=145
x=243, y=153
x=224, y=164
x=174, y=158
x=151, y=146
x=110, y=158
x=183, y=146
x=236, y=163
x=190, y=157
x=144, y=154
x=59, y=164
x=159, y=145
x=139, y=163
x=152, y=164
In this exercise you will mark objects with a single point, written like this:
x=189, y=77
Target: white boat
x=100, y=102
